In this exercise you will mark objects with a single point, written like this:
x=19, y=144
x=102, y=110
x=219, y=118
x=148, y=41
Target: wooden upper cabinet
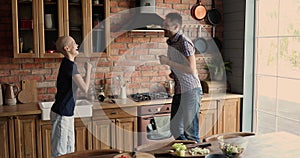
x=25, y=28
x=50, y=26
x=37, y=24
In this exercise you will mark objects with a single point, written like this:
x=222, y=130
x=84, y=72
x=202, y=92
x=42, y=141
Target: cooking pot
x=213, y=15
x=198, y=11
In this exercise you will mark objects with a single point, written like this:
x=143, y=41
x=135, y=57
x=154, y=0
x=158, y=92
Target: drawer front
x=115, y=113
x=208, y=104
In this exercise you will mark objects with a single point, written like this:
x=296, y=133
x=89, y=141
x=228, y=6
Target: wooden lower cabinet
x=19, y=133
x=208, y=118
x=126, y=138
x=115, y=129
x=229, y=115
x=219, y=116
x=103, y=133
x=83, y=136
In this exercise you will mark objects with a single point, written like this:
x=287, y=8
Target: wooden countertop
x=20, y=109
x=130, y=103
x=33, y=108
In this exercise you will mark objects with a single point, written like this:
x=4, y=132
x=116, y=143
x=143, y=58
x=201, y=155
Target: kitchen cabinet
x=37, y=24
x=19, y=133
x=83, y=136
x=115, y=128
x=229, y=115
x=219, y=115
x=208, y=118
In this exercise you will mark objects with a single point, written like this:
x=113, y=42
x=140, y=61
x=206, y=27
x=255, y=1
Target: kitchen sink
x=83, y=108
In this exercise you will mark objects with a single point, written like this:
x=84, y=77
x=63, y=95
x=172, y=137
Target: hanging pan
x=213, y=15
x=198, y=11
x=216, y=39
x=200, y=43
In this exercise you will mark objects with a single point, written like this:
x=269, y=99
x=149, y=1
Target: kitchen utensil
x=198, y=11
x=28, y=94
x=213, y=15
x=200, y=43
x=1, y=96
x=216, y=39
x=11, y=91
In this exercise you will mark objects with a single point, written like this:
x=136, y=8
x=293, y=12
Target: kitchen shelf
x=72, y=19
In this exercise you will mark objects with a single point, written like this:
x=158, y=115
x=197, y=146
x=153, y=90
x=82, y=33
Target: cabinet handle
x=114, y=113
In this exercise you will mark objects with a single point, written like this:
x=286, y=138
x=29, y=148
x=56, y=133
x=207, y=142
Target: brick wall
x=133, y=55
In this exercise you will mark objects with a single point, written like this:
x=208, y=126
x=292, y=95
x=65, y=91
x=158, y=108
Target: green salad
x=231, y=149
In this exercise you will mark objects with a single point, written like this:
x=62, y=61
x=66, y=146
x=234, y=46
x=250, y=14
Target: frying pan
x=216, y=40
x=198, y=11
x=200, y=43
x=213, y=15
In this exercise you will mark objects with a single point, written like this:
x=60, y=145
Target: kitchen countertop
x=33, y=108
x=20, y=109
x=130, y=103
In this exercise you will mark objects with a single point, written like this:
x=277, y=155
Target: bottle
x=21, y=42
x=101, y=95
x=123, y=92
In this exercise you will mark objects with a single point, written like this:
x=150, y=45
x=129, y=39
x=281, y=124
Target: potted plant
x=217, y=69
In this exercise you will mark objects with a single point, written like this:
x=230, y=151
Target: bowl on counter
x=215, y=156
x=231, y=145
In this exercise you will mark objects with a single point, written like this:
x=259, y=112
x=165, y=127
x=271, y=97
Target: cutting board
x=28, y=94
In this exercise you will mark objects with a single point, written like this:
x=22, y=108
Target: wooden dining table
x=270, y=145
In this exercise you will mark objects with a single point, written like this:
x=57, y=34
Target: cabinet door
x=99, y=26
x=208, y=123
x=46, y=131
x=229, y=117
x=83, y=135
x=25, y=136
x=25, y=28
x=74, y=23
x=208, y=118
x=103, y=133
x=51, y=27
x=126, y=137
x=7, y=138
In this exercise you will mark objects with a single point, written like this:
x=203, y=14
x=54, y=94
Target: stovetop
x=138, y=97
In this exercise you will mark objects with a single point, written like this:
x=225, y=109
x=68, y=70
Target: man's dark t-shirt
x=66, y=89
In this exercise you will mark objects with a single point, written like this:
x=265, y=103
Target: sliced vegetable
x=197, y=150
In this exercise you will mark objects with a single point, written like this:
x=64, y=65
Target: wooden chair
x=232, y=134
x=89, y=153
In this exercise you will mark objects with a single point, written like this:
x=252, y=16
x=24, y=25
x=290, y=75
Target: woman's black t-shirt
x=65, y=97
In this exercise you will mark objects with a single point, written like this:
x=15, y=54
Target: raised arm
x=84, y=84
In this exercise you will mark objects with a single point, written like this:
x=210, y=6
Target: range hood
x=145, y=17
